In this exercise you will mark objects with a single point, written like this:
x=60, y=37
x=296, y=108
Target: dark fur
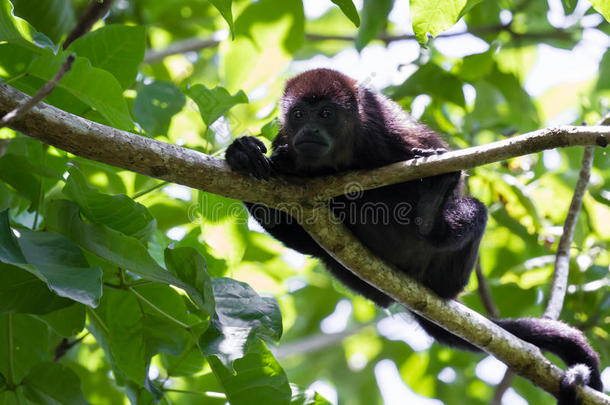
x=436, y=242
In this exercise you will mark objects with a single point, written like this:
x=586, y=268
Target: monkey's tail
x=565, y=341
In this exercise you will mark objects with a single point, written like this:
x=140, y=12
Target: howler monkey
x=331, y=124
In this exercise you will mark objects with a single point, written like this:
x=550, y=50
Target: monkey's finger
x=262, y=168
x=258, y=143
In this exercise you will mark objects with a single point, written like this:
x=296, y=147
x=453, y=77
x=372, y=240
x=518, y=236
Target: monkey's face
x=315, y=129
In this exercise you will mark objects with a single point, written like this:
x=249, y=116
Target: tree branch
x=196, y=44
x=562, y=258
x=197, y=170
x=94, y=12
x=194, y=169
x=44, y=91
x=523, y=358
x=179, y=47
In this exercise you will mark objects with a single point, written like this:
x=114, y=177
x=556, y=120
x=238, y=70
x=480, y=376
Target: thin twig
x=179, y=47
x=562, y=258
x=44, y=91
x=501, y=388
x=196, y=44
x=94, y=12
x=485, y=292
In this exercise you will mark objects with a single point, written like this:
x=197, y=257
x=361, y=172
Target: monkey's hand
x=281, y=160
x=247, y=155
x=421, y=152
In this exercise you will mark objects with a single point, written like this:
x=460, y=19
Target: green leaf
x=214, y=103
x=118, y=212
x=224, y=6
x=53, y=259
x=430, y=79
x=348, y=8
x=136, y=331
x=603, y=7
x=66, y=322
x=242, y=318
x=434, y=17
x=93, y=86
x=271, y=129
x=115, y=247
x=188, y=265
x=19, y=32
x=30, y=344
x=306, y=397
x=21, y=291
x=54, y=18
x=22, y=175
x=52, y=384
x=477, y=66
x=119, y=49
x=374, y=18
x=156, y=104
x=257, y=378
x=262, y=48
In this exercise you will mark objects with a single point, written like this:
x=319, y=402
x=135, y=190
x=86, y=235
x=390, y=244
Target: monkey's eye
x=297, y=114
x=326, y=113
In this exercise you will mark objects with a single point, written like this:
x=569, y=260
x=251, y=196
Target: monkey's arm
x=247, y=155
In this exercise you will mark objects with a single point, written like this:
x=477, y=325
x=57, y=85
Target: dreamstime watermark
x=354, y=207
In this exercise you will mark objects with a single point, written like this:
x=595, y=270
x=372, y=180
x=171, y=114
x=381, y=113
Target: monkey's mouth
x=310, y=142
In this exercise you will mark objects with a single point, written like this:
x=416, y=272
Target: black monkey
x=330, y=124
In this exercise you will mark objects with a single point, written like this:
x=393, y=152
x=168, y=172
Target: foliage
x=115, y=287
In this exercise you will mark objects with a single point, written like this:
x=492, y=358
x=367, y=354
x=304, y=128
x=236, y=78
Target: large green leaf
x=188, y=265
x=430, y=79
x=224, y=6
x=263, y=47
x=434, y=17
x=21, y=291
x=242, y=318
x=93, y=86
x=66, y=322
x=53, y=259
x=28, y=346
x=214, y=103
x=374, y=18
x=17, y=31
x=52, y=384
x=54, y=18
x=23, y=176
x=348, y=8
x=118, y=212
x=257, y=378
x=156, y=104
x=136, y=331
x=113, y=246
x=119, y=49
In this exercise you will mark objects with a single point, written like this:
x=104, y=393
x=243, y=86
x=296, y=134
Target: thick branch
x=523, y=358
x=194, y=169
